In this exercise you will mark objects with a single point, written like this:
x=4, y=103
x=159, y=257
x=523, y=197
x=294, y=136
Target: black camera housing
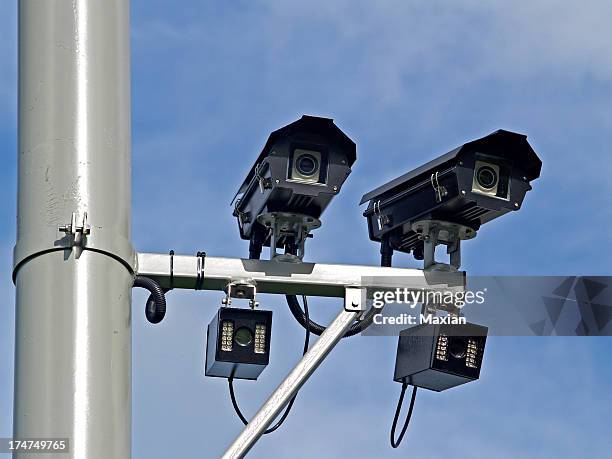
x=300, y=169
x=470, y=185
x=225, y=357
x=440, y=356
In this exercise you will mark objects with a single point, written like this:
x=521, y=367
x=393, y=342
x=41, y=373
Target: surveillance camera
x=438, y=357
x=300, y=169
x=238, y=343
x=459, y=191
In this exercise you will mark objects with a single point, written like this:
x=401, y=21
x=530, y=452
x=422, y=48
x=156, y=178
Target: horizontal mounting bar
x=316, y=279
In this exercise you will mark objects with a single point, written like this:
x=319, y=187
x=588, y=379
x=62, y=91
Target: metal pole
x=292, y=383
x=73, y=321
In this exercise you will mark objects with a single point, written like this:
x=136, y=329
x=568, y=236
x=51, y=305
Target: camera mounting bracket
x=439, y=232
x=290, y=230
x=242, y=290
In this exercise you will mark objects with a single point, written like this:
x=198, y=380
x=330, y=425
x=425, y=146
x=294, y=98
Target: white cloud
x=498, y=39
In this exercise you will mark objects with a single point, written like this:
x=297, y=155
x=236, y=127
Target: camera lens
x=307, y=165
x=486, y=177
x=243, y=336
x=458, y=347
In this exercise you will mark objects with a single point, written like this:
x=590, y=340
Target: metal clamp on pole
x=78, y=231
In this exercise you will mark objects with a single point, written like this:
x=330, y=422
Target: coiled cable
x=155, y=307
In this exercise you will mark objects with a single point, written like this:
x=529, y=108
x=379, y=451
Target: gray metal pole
x=73, y=321
x=292, y=383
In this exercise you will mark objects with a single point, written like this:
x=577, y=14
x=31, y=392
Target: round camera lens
x=307, y=165
x=458, y=347
x=486, y=177
x=243, y=336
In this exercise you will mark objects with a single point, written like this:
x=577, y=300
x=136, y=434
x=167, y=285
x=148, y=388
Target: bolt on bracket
x=78, y=230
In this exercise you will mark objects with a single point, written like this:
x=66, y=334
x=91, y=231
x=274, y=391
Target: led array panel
x=260, y=338
x=227, y=335
x=471, y=359
x=442, y=348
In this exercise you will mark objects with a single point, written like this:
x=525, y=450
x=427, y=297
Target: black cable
x=230, y=381
x=386, y=252
x=171, y=253
x=304, y=320
x=355, y=328
x=396, y=443
x=318, y=329
x=155, y=307
x=258, y=237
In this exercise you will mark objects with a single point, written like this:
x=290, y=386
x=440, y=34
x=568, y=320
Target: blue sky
x=407, y=81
